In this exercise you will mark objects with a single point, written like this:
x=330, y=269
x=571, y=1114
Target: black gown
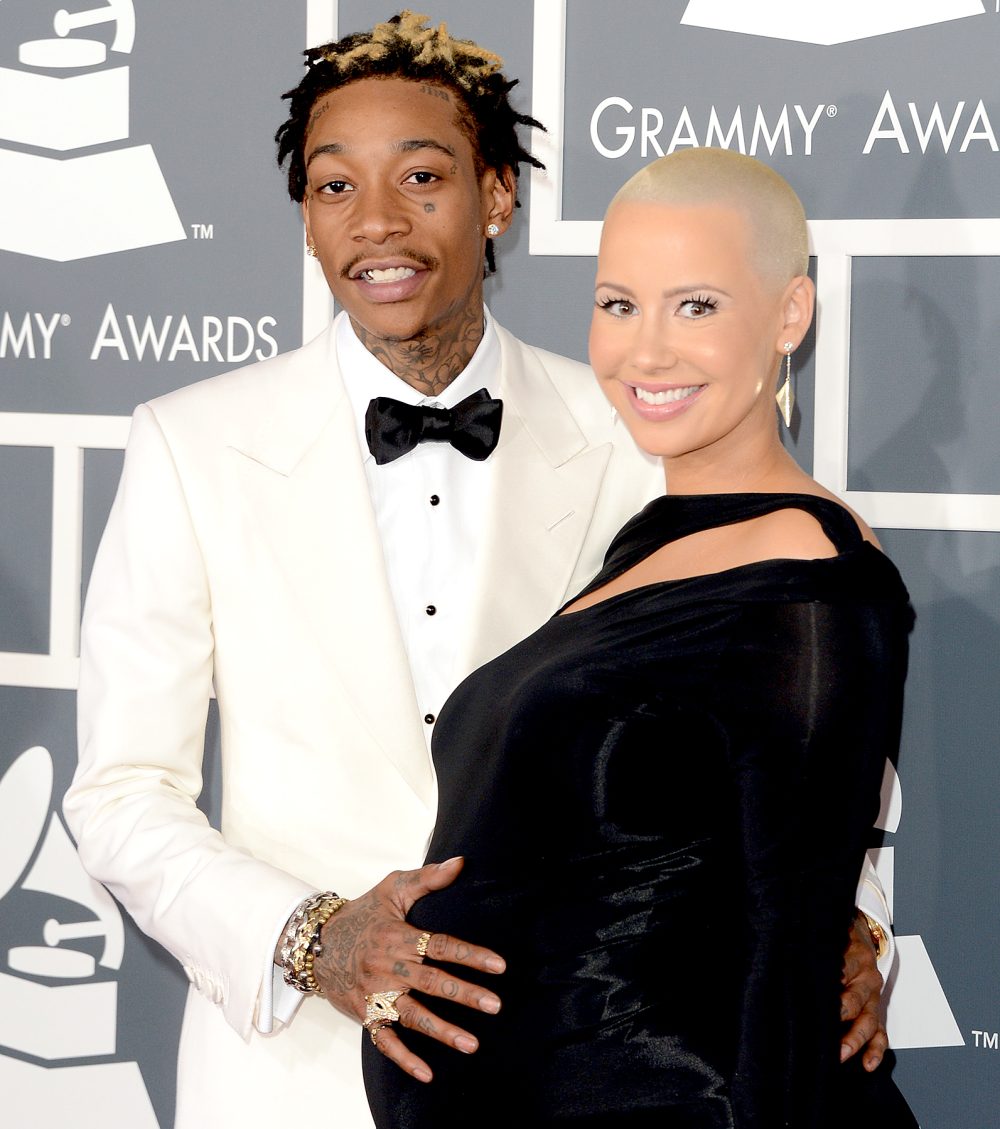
x=663, y=801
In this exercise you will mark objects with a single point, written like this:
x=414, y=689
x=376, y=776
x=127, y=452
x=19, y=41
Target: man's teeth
x=390, y=274
x=668, y=396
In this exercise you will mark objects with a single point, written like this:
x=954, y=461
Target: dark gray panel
x=25, y=548
x=925, y=393
x=101, y=471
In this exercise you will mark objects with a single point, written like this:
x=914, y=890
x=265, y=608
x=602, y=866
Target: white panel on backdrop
x=825, y=23
x=918, y=1014
x=96, y=204
x=64, y=113
x=83, y=1097
x=67, y=1021
x=884, y=861
x=100, y=220
x=891, y=807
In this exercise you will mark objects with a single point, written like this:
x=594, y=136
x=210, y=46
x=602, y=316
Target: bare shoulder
x=794, y=533
x=786, y=533
x=866, y=530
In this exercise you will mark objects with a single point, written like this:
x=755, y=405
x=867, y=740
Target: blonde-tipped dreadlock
x=406, y=47
x=467, y=62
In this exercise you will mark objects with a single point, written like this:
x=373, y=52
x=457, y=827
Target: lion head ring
x=380, y=1012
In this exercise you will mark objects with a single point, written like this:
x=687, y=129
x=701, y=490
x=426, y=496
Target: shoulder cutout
x=786, y=533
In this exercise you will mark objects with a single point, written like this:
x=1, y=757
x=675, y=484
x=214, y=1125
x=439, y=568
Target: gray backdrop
x=898, y=401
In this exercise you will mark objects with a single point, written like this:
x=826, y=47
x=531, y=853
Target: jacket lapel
x=542, y=498
x=316, y=506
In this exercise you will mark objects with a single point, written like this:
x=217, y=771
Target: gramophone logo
x=56, y=1005
x=918, y=1014
x=63, y=98
x=827, y=23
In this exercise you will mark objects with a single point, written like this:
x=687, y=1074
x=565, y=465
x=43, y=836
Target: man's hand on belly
x=367, y=947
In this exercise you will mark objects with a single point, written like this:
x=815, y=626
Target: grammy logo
x=63, y=97
x=55, y=1004
x=825, y=23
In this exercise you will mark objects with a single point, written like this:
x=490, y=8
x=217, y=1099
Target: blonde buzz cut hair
x=719, y=177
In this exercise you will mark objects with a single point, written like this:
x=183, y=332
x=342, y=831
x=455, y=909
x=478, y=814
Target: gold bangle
x=877, y=934
x=301, y=940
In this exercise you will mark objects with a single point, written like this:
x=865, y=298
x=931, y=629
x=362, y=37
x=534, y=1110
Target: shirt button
x=431, y=609
x=435, y=500
x=429, y=718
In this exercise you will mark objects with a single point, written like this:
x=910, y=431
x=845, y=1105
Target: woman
x=680, y=769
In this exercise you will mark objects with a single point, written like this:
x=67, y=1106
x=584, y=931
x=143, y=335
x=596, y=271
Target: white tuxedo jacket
x=242, y=554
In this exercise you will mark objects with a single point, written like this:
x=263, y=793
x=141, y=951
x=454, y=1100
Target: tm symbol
x=203, y=230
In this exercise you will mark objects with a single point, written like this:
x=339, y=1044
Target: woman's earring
x=786, y=394
x=311, y=251
x=492, y=230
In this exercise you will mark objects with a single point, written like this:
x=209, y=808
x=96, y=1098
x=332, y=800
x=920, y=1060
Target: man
x=275, y=538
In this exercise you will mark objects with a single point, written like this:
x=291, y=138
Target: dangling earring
x=786, y=394
x=614, y=415
x=311, y=251
x=492, y=230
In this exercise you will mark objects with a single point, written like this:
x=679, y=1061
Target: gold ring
x=422, y=942
x=380, y=1006
x=377, y=1026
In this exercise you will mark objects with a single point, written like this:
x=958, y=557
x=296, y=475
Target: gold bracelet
x=877, y=934
x=300, y=943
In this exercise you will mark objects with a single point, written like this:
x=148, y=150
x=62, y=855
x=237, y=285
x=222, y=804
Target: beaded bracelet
x=300, y=943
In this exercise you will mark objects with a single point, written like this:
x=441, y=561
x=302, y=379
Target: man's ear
x=502, y=194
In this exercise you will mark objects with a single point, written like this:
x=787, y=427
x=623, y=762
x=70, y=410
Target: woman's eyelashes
x=697, y=306
x=617, y=307
x=694, y=306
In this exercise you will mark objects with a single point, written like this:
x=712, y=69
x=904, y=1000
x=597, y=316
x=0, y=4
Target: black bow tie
x=472, y=426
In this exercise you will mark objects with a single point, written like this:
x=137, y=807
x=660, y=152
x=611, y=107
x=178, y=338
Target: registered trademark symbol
x=831, y=111
x=65, y=319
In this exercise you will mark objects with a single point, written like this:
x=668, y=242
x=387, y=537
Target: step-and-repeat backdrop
x=146, y=242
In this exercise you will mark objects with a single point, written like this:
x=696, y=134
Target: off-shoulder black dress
x=663, y=801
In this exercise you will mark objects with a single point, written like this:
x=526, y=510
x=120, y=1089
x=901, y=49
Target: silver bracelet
x=300, y=942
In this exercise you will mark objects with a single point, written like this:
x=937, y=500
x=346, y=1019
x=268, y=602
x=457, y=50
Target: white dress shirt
x=430, y=510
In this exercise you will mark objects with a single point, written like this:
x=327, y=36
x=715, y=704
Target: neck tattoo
x=432, y=360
